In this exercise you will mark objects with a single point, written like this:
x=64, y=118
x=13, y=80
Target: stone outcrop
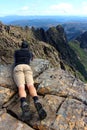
x=8, y=122
x=6, y=76
x=61, y=83
x=62, y=95
x=56, y=37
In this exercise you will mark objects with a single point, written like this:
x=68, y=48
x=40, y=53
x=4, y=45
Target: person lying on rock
x=22, y=75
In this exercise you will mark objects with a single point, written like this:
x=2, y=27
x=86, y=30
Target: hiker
x=23, y=75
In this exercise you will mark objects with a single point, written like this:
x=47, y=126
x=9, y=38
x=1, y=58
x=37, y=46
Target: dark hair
x=24, y=44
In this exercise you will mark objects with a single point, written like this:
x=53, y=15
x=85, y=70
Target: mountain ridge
x=51, y=44
x=73, y=25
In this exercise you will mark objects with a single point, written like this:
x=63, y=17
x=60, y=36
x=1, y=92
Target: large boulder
x=5, y=95
x=71, y=116
x=61, y=83
x=7, y=122
x=6, y=79
x=39, y=66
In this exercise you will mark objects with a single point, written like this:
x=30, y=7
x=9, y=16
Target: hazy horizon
x=9, y=15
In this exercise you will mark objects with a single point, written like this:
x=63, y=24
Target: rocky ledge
x=63, y=96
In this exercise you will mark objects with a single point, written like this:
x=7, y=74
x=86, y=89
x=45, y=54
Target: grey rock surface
x=63, y=96
x=7, y=122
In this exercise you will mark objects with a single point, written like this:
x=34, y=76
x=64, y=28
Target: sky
x=43, y=7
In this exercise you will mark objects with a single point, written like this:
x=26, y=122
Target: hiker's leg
x=29, y=81
x=32, y=90
x=21, y=91
x=19, y=79
x=22, y=95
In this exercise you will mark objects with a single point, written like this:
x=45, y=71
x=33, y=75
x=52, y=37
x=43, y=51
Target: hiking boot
x=25, y=110
x=42, y=113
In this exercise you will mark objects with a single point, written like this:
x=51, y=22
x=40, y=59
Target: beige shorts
x=22, y=75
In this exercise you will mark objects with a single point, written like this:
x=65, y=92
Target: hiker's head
x=24, y=44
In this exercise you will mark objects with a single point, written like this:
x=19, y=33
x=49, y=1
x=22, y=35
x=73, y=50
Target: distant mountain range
x=61, y=19
x=73, y=25
x=74, y=29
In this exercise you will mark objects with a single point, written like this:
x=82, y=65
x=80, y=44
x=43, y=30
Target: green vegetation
x=81, y=54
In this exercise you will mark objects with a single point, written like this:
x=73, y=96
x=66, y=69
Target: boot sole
x=42, y=113
x=25, y=108
x=26, y=113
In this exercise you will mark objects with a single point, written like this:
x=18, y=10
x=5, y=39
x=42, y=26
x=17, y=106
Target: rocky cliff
x=56, y=37
x=51, y=45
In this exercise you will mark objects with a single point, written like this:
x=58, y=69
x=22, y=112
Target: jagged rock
x=43, y=50
x=6, y=79
x=5, y=95
x=61, y=83
x=39, y=66
x=7, y=122
x=57, y=38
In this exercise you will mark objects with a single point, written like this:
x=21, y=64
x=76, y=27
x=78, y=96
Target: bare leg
x=22, y=92
x=32, y=90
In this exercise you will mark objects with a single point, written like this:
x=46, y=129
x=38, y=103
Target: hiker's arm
x=32, y=56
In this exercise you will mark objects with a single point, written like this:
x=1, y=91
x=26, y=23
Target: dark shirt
x=23, y=56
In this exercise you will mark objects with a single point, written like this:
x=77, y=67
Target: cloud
x=68, y=9
x=25, y=8
x=62, y=8
x=84, y=7
x=56, y=9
